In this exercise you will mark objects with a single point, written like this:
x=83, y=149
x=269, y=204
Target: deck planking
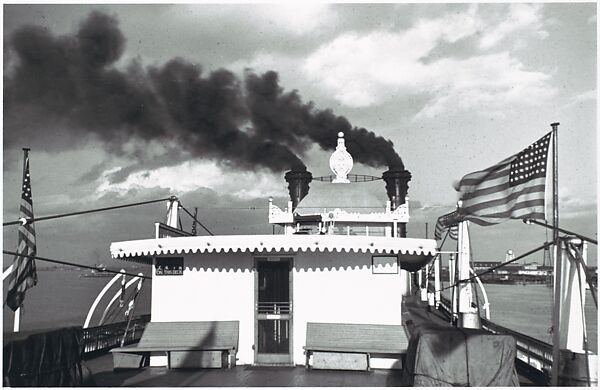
x=415, y=313
x=240, y=376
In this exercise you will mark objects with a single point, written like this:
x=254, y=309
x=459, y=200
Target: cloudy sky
x=214, y=103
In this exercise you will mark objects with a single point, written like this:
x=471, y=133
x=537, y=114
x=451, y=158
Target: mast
x=17, y=318
x=468, y=313
x=172, y=213
x=557, y=260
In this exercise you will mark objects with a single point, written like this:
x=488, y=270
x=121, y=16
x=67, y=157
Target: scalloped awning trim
x=273, y=243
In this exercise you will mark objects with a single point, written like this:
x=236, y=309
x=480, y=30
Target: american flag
x=24, y=274
x=512, y=189
x=445, y=222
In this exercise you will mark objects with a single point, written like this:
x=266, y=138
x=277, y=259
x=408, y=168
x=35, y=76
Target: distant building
x=513, y=273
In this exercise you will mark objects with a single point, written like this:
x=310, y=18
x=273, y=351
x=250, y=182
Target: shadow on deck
x=240, y=376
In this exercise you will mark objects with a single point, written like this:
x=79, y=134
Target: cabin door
x=273, y=311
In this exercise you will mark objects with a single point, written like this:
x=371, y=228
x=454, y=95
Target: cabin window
x=308, y=228
x=384, y=264
x=378, y=231
x=358, y=230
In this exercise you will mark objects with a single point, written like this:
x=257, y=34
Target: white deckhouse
x=299, y=297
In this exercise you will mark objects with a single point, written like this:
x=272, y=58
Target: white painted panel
x=327, y=287
x=341, y=288
x=213, y=287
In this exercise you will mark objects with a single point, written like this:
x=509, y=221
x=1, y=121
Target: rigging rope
x=116, y=310
x=109, y=316
x=194, y=218
x=530, y=221
x=588, y=279
x=547, y=244
x=31, y=220
x=99, y=269
x=129, y=313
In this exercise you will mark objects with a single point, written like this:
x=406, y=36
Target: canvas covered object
x=446, y=356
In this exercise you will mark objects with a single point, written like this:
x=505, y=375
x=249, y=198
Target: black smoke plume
x=284, y=118
x=60, y=91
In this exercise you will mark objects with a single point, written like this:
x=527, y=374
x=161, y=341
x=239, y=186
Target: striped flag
x=445, y=222
x=512, y=189
x=24, y=274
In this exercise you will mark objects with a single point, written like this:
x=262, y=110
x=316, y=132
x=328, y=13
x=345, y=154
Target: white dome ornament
x=341, y=161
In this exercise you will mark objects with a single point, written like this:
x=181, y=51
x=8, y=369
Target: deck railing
x=531, y=351
x=446, y=306
x=104, y=337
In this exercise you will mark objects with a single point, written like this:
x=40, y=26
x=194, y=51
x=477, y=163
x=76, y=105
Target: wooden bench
x=186, y=344
x=350, y=346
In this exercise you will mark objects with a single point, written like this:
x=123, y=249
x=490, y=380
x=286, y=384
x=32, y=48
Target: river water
x=528, y=309
x=63, y=298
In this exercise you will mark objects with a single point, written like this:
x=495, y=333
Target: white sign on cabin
x=169, y=266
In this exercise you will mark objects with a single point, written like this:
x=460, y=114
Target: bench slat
x=356, y=337
x=134, y=349
x=167, y=334
x=182, y=337
x=354, y=349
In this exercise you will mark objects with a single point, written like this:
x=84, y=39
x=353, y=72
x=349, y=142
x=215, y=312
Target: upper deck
x=338, y=207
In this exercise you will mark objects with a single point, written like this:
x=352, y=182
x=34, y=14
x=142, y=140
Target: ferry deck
x=417, y=313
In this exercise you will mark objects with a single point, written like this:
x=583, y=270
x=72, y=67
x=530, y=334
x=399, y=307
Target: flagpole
x=17, y=319
x=557, y=260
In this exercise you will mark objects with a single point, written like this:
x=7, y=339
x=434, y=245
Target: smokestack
x=396, y=185
x=298, y=181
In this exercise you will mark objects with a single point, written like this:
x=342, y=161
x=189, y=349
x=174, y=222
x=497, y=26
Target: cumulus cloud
x=521, y=18
x=488, y=83
x=191, y=175
x=583, y=97
x=364, y=70
x=297, y=18
x=355, y=68
x=292, y=18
